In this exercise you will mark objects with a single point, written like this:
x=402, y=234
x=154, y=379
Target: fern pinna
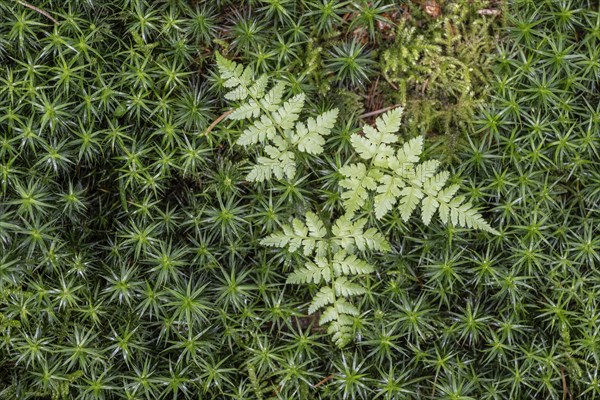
x=386, y=173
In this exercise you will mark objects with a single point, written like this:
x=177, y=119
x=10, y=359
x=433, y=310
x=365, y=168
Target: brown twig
x=324, y=380
x=38, y=10
x=372, y=91
x=216, y=122
x=380, y=111
x=564, y=384
x=392, y=84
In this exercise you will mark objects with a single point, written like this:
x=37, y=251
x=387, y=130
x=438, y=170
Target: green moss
x=440, y=66
x=130, y=264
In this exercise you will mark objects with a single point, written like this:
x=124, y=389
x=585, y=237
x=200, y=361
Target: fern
x=395, y=177
x=273, y=122
x=388, y=175
x=332, y=263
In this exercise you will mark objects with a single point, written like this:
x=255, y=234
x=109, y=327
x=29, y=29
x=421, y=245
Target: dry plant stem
x=38, y=10
x=324, y=380
x=564, y=384
x=216, y=122
x=380, y=111
x=392, y=84
x=372, y=94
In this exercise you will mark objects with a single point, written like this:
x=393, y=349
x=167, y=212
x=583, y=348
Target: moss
x=440, y=68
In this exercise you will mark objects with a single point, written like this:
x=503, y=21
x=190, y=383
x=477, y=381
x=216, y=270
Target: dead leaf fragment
x=488, y=11
x=432, y=8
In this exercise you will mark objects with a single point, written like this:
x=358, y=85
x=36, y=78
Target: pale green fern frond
x=273, y=121
x=344, y=287
x=288, y=113
x=331, y=261
x=315, y=226
x=397, y=178
x=260, y=131
x=272, y=99
x=387, y=193
x=280, y=164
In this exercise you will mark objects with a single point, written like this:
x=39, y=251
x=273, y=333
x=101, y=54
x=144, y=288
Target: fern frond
x=363, y=146
x=388, y=125
x=227, y=68
x=425, y=171
x=388, y=193
x=409, y=200
x=465, y=215
x=272, y=99
x=329, y=315
x=434, y=184
x=341, y=331
x=334, y=262
x=291, y=237
x=257, y=90
x=288, y=113
x=239, y=93
x=272, y=121
x=373, y=240
x=236, y=77
x=397, y=178
x=448, y=193
x=248, y=110
x=348, y=234
x=428, y=208
x=281, y=164
x=409, y=153
x=339, y=317
x=345, y=231
x=389, y=174
x=374, y=145
x=337, y=311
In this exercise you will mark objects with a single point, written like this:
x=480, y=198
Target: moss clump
x=440, y=66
